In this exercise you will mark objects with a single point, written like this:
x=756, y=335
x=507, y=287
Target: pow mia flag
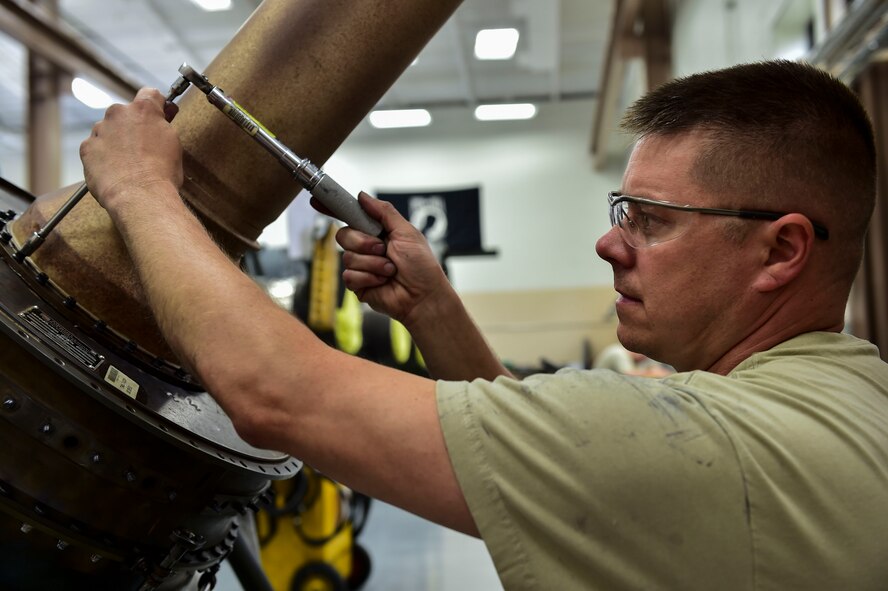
x=450, y=220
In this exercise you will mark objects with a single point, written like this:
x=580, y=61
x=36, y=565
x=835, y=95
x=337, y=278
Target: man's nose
x=612, y=248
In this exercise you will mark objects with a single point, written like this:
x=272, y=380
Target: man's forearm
x=282, y=387
x=452, y=346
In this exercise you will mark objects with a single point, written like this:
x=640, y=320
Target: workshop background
x=535, y=285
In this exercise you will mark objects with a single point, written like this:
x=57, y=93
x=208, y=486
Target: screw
x=46, y=428
x=172, y=495
x=130, y=476
x=9, y=403
x=26, y=528
x=96, y=458
x=61, y=544
x=95, y=558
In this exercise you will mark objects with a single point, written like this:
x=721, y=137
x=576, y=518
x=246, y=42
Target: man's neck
x=757, y=343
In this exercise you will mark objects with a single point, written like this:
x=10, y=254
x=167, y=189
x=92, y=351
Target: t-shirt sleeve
x=590, y=479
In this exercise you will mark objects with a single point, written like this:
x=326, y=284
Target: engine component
x=115, y=471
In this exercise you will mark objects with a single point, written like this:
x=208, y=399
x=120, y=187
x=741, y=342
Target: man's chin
x=633, y=343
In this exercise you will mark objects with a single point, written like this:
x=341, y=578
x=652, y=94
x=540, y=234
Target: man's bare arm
x=371, y=427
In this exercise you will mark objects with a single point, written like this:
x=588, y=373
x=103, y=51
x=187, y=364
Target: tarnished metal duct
x=116, y=470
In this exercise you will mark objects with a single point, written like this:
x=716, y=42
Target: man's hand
x=131, y=150
x=400, y=277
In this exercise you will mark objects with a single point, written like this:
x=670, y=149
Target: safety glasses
x=646, y=222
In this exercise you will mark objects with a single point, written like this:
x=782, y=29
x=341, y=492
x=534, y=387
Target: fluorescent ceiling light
x=496, y=44
x=505, y=112
x=400, y=118
x=213, y=5
x=91, y=95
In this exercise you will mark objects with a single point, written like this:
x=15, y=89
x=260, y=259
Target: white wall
x=711, y=34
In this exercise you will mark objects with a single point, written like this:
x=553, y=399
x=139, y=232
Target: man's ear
x=788, y=243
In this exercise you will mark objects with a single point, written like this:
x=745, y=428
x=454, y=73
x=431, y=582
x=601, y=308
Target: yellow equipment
x=306, y=535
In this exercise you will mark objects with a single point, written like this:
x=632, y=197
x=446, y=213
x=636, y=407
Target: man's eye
x=648, y=223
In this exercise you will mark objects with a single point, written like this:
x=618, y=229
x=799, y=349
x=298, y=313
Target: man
x=762, y=464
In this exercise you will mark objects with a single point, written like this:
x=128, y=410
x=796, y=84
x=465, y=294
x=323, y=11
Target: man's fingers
x=356, y=241
x=385, y=213
x=359, y=280
x=152, y=95
x=376, y=265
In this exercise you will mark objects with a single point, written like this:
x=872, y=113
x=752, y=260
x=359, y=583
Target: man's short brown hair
x=781, y=135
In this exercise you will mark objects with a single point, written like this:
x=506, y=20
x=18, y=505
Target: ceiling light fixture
x=496, y=44
x=400, y=118
x=213, y=5
x=514, y=111
x=91, y=95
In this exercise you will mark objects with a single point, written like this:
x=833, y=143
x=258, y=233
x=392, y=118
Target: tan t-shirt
x=773, y=477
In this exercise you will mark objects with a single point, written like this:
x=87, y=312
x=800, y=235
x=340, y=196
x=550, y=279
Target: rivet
x=130, y=476
x=46, y=428
x=61, y=544
x=39, y=509
x=96, y=458
x=172, y=495
x=26, y=528
x=42, y=278
x=69, y=302
x=9, y=403
x=95, y=558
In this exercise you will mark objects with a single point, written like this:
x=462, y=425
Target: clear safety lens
x=645, y=224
